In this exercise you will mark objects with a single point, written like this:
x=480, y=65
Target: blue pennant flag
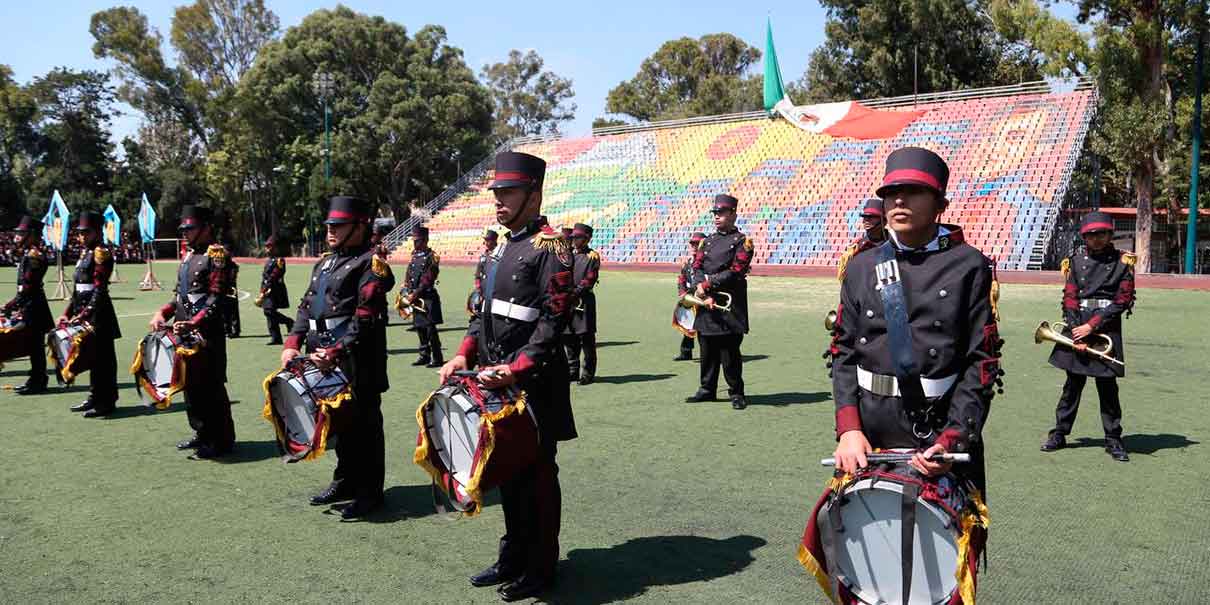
x=55, y=223
x=112, y=231
x=146, y=221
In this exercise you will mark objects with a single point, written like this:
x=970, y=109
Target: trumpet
x=829, y=320
x=1099, y=345
x=405, y=309
x=691, y=300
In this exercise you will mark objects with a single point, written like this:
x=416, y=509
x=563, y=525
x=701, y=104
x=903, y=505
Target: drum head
x=159, y=355
x=685, y=316
x=61, y=343
x=870, y=564
x=296, y=410
x=453, y=426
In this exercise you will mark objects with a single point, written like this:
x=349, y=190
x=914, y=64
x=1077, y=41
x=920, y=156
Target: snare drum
x=162, y=364
x=683, y=317
x=473, y=439
x=300, y=400
x=857, y=533
x=71, y=350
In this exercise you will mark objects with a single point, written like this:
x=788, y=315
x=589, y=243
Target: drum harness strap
x=899, y=331
x=485, y=314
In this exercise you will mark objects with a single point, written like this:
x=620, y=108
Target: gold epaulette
x=35, y=253
x=845, y=257
x=101, y=254
x=994, y=294
x=380, y=267
x=748, y=245
x=1065, y=268
x=436, y=259
x=594, y=256
x=551, y=241
x=281, y=262
x=1129, y=259
x=218, y=255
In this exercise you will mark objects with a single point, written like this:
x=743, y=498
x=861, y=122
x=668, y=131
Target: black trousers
x=230, y=309
x=532, y=503
x=37, y=362
x=573, y=344
x=209, y=411
x=430, y=344
x=1069, y=404
x=686, y=346
x=360, y=447
x=722, y=350
x=103, y=378
x=276, y=320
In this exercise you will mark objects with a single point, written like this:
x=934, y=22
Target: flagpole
x=61, y=288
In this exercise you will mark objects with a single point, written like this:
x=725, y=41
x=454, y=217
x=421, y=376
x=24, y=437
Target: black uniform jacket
x=722, y=263
x=528, y=295
x=1099, y=290
x=273, y=284
x=30, y=301
x=203, y=280
x=952, y=317
x=90, y=295
x=343, y=312
x=586, y=270
x=421, y=279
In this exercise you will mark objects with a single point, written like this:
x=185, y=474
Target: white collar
x=932, y=246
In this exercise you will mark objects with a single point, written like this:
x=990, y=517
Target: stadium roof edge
x=1037, y=87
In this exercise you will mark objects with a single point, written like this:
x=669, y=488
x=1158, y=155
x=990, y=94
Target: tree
x=528, y=101
x=18, y=144
x=1038, y=41
x=687, y=78
x=218, y=39
x=73, y=149
x=402, y=108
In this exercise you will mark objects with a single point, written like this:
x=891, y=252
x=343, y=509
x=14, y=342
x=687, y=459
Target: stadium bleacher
x=645, y=190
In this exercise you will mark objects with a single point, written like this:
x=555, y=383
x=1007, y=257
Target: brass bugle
x=691, y=299
x=1099, y=345
x=259, y=300
x=406, y=310
x=829, y=320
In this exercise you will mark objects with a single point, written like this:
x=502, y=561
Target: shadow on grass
x=251, y=451
x=138, y=409
x=752, y=358
x=628, y=378
x=1141, y=444
x=416, y=501
x=627, y=570
x=788, y=398
x=616, y=343
x=402, y=351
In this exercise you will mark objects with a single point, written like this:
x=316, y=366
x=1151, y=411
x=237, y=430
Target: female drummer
x=917, y=348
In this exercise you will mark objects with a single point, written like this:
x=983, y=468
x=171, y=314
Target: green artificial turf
x=663, y=501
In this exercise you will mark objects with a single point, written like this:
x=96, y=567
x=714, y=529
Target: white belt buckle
x=84, y=287
x=510, y=310
x=888, y=386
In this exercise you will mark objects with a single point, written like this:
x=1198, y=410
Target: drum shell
x=14, y=341
x=72, y=350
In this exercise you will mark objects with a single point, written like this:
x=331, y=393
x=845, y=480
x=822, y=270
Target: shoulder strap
x=895, y=305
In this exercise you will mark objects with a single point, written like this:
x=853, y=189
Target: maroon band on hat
x=189, y=221
x=349, y=216
x=513, y=176
x=1096, y=227
x=911, y=174
x=873, y=211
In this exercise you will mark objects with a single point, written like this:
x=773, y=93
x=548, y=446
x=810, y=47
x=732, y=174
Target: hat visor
x=905, y=182
x=507, y=184
x=338, y=221
x=83, y=227
x=720, y=209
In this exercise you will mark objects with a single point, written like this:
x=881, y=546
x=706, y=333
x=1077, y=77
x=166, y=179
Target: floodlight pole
x=1195, y=170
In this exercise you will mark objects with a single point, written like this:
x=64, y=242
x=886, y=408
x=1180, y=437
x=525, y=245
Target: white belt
x=518, y=312
x=327, y=324
x=1095, y=303
x=85, y=287
x=888, y=386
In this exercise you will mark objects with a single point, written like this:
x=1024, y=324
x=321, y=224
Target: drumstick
x=903, y=457
x=472, y=373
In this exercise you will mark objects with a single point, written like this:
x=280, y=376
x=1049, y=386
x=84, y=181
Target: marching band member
x=582, y=330
x=875, y=233
x=342, y=322
x=90, y=303
x=527, y=300
x=30, y=302
x=683, y=280
x=1099, y=291
x=917, y=346
x=202, y=285
x=721, y=264
x=490, y=237
x=273, y=292
x=420, y=284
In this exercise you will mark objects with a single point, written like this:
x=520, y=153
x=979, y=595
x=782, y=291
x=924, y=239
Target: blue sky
x=596, y=44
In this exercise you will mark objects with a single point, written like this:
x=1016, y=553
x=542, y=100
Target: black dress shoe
x=331, y=494
x=98, y=412
x=738, y=402
x=683, y=357
x=273, y=343
x=436, y=363
x=492, y=576
x=701, y=396
x=1117, y=450
x=523, y=588
x=83, y=406
x=586, y=379
x=1054, y=441
x=360, y=508
x=421, y=361
x=208, y=452
x=191, y=443
x=31, y=389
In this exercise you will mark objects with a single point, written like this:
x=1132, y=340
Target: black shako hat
x=420, y=231
x=344, y=209
x=28, y=223
x=490, y=235
x=915, y=166
x=1096, y=221
x=724, y=202
x=515, y=169
x=193, y=217
x=873, y=207
x=89, y=219
x=581, y=230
